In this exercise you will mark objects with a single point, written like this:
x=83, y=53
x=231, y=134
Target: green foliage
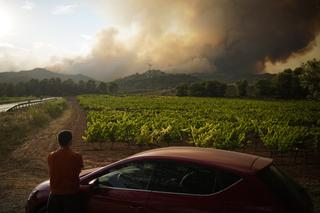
x=264, y=88
x=242, y=87
x=222, y=123
x=283, y=138
x=54, y=109
x=37, y=117
x=203, y=89
x=55, y=87
x=182, y=90
x=310, y=78
x=287, y=85
x=153, y=80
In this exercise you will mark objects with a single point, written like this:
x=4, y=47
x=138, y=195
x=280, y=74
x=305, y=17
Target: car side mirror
x=94, y=184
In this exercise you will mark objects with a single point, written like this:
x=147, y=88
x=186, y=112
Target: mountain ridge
x=153, y=80
x=157, y=79
x=39, y=74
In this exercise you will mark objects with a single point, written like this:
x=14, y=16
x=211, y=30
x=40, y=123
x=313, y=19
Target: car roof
x=230, y=160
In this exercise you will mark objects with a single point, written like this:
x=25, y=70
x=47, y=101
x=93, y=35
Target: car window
x=134, y=175
x=224, y=180
x=283, y=186
x=187, y=178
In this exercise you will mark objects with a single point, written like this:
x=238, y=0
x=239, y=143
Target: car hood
x=44, y=186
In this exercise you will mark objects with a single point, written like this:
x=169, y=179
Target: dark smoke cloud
x=266, y=30
x=232, y=36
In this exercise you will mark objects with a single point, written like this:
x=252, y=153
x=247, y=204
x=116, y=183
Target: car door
x=184, y=187
x=122, y=189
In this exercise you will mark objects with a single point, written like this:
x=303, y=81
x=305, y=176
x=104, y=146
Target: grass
x=14, y=126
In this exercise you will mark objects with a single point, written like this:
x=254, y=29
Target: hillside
x=231, y=78
x=38, y=73
x=153, y=80
x=157, y=80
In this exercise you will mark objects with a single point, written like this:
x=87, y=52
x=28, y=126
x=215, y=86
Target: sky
x=38, y=33
x=108, y=39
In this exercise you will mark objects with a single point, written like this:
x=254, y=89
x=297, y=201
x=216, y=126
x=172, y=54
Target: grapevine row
x=220, y=123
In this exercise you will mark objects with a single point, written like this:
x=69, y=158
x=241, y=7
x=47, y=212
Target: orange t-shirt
x=64, y=169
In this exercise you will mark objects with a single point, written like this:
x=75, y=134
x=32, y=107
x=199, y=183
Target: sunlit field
x=281, y=126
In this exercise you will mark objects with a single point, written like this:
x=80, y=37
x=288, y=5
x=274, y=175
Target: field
x=25, y=164
x=287, y=131
x=281, y=126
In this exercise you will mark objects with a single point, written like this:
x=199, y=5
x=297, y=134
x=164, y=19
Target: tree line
x=298, y=83
x=56, y=87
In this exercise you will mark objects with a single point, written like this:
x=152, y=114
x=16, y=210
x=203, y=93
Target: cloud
x=6, y=45
x=28, y=5
x=236, y=37
x=87, y=37
x=41, y=54
x=66, y=9
x=12, y=56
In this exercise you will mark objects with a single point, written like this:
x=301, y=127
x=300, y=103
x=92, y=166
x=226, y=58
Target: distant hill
x=231, y=78
x=153, y=80
x=38, y=73
x=157, y=80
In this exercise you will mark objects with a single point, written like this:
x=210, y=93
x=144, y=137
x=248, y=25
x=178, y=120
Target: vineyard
x=282, y=126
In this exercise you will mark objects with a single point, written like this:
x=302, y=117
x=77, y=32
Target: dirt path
x=26, y=167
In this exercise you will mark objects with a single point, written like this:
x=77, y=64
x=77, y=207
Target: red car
x=186, y=179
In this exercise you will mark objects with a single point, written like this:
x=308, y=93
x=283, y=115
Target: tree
x=2, y=90
x=263, y=88
x=10, y=90
x=20, y=89
x=182, y=90
x=242, y=87
x=215, y=89
x=197, y=89
x=81, y=87
x=113, y=87
x=55, y=87
x=287, y=85
x=91, y=86
x=33, y=87
x=103, y=88
x=310, y=78
x=69, y=87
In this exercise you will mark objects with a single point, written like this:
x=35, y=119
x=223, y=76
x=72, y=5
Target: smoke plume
x=232, y=36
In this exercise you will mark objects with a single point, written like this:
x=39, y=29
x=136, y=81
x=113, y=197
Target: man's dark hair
x=64, y=137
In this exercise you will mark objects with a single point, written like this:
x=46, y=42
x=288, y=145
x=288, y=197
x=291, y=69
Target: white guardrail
x=18, y=105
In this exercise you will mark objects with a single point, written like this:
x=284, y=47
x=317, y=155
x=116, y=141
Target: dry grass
x=14, y=126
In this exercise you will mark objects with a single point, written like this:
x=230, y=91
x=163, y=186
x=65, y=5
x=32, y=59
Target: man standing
x=64, y=169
